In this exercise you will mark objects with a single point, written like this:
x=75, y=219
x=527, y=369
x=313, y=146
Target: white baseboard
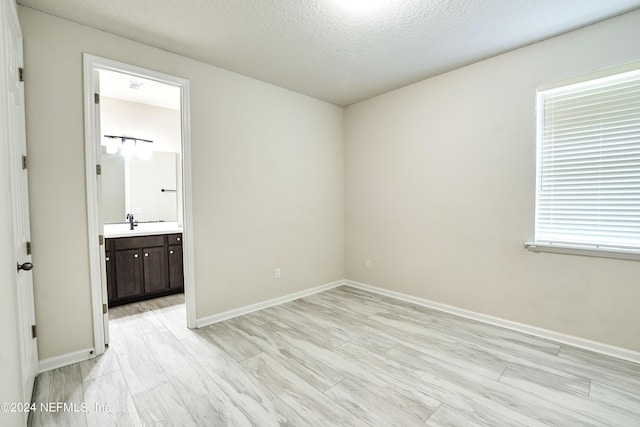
x=65, y=359
x=598, y=347
x=215, y=318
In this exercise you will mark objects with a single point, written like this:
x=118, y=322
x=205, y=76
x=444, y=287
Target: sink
x=142, y=229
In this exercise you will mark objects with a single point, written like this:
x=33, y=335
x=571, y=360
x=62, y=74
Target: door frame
x=92, y=144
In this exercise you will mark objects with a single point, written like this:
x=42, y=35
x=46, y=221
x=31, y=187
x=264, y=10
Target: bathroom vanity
x=141, y=266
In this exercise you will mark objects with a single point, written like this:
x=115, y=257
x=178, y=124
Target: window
x=588, y=164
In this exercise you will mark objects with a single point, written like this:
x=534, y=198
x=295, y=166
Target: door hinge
x=98, y=169
x=28, y=248
x=96, y=98
x=33, y=331
x=104, y=308
x=21, y=74
x=101, y=239
x=24, y=162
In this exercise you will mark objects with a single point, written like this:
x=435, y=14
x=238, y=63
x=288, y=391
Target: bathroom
x=141, y=188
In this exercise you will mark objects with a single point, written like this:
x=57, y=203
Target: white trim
x=66, y=359
x=93, y=231
x=619, y=69
x=90, y=63
x=598, y=347
x=600, y=252
x=188, y=252
x=215, y=318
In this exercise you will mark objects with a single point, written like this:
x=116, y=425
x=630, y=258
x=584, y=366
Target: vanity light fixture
x=129, y=146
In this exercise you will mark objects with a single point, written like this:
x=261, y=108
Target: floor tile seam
x=346, y=408
x=119, y=369
x=635, y=376
x=152, y=353
x=577, y=392
x=279, y=356
x=551, y=371
x=503, y=356
x=381, y=375
x=505, y=405
x=355, y=379
x=434, y=411
x=576, y=411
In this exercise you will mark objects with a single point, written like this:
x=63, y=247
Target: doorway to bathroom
x=138, y=194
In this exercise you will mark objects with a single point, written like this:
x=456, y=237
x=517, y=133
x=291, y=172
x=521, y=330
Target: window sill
x=616, y=253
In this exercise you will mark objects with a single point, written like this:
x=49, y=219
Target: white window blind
x=588, y=176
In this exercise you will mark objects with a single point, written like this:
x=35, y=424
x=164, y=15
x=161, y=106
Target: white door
x=13, y=97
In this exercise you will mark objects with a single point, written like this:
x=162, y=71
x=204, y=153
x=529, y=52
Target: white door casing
x=103, y=260
x=95, y=225
x=15, y=135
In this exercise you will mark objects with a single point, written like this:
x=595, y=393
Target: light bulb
x=144, y=150
x=112, y=146
x=128, y=148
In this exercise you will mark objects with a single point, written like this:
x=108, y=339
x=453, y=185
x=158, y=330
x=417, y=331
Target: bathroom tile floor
x=340, y=357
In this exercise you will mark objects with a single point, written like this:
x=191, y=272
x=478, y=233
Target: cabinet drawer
x=139, y=242
x=175, y=239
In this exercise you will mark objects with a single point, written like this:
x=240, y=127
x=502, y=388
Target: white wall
x=113, y=188
x=157, y=124
x=150, y=122
x=267, y=169
x=440, y=193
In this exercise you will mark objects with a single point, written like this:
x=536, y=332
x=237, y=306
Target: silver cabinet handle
x=107, y=259
x=135, y=255
x=177, y=239
x=146, y=254
x=171, y=252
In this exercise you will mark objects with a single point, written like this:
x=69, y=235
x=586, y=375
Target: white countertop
x=142, y=229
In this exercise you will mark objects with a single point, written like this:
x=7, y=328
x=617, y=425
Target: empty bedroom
x=324, y=212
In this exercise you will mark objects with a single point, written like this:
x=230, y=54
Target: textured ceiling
x=341, y=51
x=136, y=89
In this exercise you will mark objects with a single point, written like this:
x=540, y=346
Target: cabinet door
x=176, y=278
x=111, y=289
x=155, y=269
x=128, y=273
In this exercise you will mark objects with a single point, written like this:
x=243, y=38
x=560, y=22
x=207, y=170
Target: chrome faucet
x=131, y=222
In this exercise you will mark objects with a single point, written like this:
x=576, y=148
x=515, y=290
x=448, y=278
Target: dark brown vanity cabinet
x=128, y=275
x=176, y=276
x=143, y=267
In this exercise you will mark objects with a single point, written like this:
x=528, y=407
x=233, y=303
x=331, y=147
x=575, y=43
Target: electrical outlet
x=277, y=273
x=367, y=264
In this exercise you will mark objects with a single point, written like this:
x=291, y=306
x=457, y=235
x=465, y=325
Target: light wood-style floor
x=341, y=357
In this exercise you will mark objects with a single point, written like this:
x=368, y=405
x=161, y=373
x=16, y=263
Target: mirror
x=134, y=185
